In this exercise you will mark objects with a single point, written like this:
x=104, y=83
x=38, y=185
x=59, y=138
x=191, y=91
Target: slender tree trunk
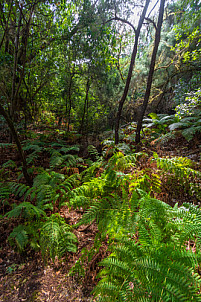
x=85, y=106
x=70, y=103
x=16, y=86
x=6, y=22
x=17, y=141
x=16, y=49
x=151, y=70
x=134, y=53
x=68, y=110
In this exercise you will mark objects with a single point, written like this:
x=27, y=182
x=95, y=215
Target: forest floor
x=26, y=277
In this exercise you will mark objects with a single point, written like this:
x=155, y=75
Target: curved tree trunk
x=134, y=53
x=151, y=71
x=19, y=147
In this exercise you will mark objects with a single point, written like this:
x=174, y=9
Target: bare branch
x=152, y=22
x=122, y=20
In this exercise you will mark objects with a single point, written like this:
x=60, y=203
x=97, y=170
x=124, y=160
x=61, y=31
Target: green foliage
x=19, y=236
x=190, y=125
x=9, y=164
x=93, y=152
x=68, y=160
x=151, y=262
x=158, y=123
x=6, y=145
x=190, y=105
x=4, y=193
x=25, y=210
x=145, y=180
x=27, y=233
x=36, y=147
x=151, y=259
x=109, y=148
x=56, y=238
x=90, y=172
x=50, y=234
x=180, y=169
x=50, y=189
x=105, y=196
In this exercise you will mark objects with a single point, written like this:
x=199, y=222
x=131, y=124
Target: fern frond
x=191, y=131
x=156, y=275
x=93, y=152
x=91, y=214
x=89, y=173
x=25, y=210
x=178, y=125
x=9, y=164
x=41, y=179
x=181, y=168
x=63, y=147
x=20, y=236
x=36, y=146
x=68, y=149
x=5, y=192
x=57, y=159
x=157, y=260
x=56, y=238
x=121, y=162
x=31, y=157
x=124, y=148
x=7, y=145
x=50, y=236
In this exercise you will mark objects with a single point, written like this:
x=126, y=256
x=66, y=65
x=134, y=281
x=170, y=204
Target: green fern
x=145, y=180
x=121, y=162
x=9, y=164
x=25, y=210
x=164, y=138
x=188, y=125
x=181, y=169
x=19, y=236
x=103, y=195
x=93, y=152
x=90, y=172
x=62, y=146
x=156, y=266
x=49, y=189
x=191, y=131
x=56, y=238
x=109, y=148
x=69, y=160
x=36, y=147
x=7, y=145
x=53, y=187
x=52, y=235
x=4, y=193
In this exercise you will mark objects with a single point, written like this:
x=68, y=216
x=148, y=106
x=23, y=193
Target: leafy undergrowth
x=55, y=234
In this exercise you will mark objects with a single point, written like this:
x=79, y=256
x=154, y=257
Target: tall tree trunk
x=18, y=60
x=14, y=76
x=70, y=104
x=134, y=53
x=85, y=106
x=151, y=70
x=6, y=22
x=17, y=141
x=68, y=110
